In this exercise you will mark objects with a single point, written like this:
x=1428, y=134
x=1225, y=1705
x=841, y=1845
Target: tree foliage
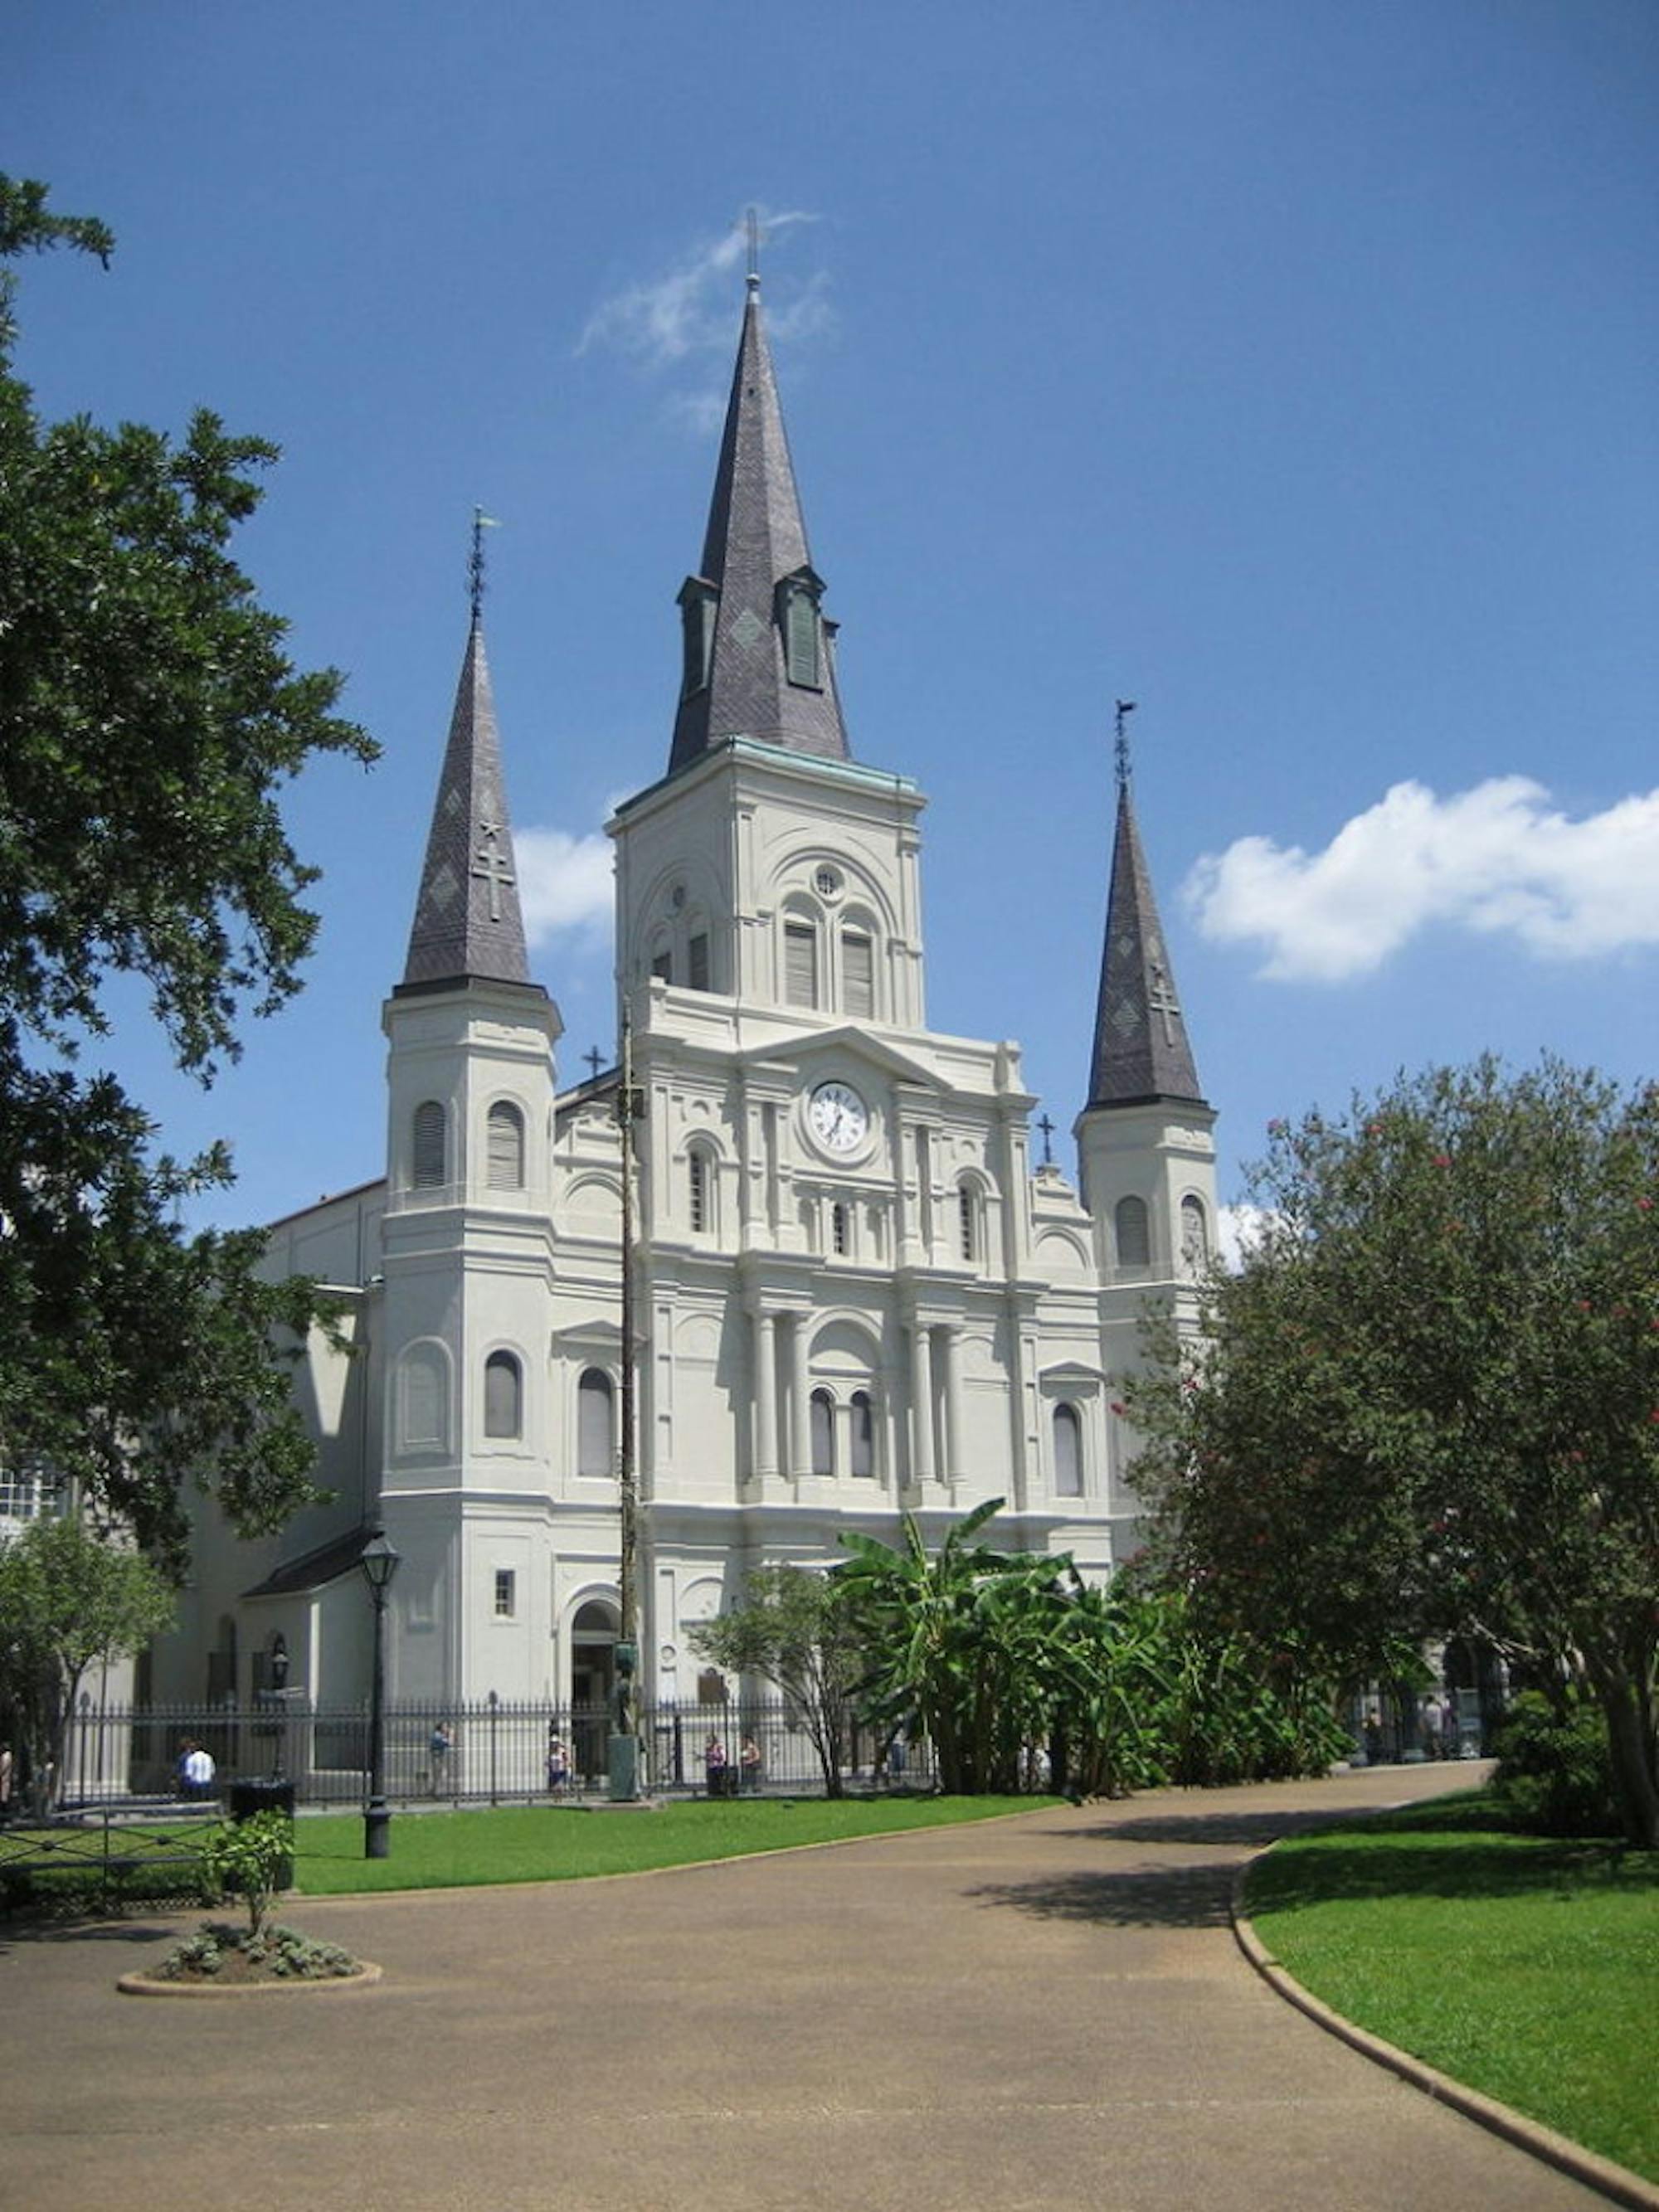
x=793, y=1631
x=68, y=1600
x=149, y=719
x=1428, y=1402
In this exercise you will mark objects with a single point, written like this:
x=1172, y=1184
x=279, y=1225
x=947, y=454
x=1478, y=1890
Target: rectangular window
x=800, y=964
x=697, y=962
x=858, y=970
x=506, y=1599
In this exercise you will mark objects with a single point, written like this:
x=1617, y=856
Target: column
x=955, y=1434
x=766, y=1396
x=800, y=1427
x=921, y=1406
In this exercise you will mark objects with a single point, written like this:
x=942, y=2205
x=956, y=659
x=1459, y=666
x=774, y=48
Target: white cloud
x=1497, y=859
x=1237, y=1228
x=565, y=883
x=689, y=309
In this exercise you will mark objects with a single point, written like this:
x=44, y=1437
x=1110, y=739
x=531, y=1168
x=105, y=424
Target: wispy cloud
x=674, y=320
x=566, y=884
x=1496, y=860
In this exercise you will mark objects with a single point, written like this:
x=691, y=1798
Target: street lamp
x=379, y=1563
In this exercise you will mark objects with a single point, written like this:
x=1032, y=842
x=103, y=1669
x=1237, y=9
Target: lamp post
x=379, y=1563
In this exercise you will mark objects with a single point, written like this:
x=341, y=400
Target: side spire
x=1141, y=1048
x=467, y=917
x=758, y=661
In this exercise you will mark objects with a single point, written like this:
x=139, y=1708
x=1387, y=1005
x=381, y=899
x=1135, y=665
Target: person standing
x=558, y=1764
x=199, y=1771
x=749, y=1764
x=442, y=1742
x=714, y=1766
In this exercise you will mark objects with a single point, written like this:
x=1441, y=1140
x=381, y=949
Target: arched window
x=862, y=1446
x=503, y=1395
x=838, y=1231
x=800, y=964
x=428, y=1149
x=595, y=1448
x=823, y=1433
x=1194, y=1234
x=505, y=1147
x=857, y=973
x=1068, y=1453
x=968, y=1226
x=1134, y=1242
x=697, y=1166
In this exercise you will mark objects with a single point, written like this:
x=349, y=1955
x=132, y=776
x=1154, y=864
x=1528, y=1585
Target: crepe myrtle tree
x=149, y=720
x=69, y=1598
x=792, y=1629
x=1427, y=1402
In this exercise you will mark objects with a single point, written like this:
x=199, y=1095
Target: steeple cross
x=1161, y=999
x=595, y=1060
x=496, y=869
x=1121, y=747
x=1047, y=1129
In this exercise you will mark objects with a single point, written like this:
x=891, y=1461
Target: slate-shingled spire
x=1141, y=1051
x=758, y=658
x=467, y=920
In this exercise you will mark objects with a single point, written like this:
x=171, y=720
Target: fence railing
x=493, y=1751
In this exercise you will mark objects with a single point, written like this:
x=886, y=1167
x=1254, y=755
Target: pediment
x=847, y=1042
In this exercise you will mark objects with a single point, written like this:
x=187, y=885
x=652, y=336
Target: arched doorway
x=593, y=1679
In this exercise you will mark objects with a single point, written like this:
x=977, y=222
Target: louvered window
x=801, y=639
x=838, y=1231
x=823, y=1433
x=800, y=964
x=698, y=1168
x=506, y=1147
x=863, y=1447
x=1134, y=1243
x=858, y=971
x=428, y=1163
x=699, y=604
x=503, y=1395
x=966, y=1223
x=594, y=1449
x=1068, y=1453
x=696, y=962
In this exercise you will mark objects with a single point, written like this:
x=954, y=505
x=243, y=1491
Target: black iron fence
x=493, y=1751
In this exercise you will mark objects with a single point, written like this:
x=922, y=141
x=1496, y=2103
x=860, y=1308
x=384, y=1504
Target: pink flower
x=1119, y=1408
x=1443, y=1159
x=1645, y=1205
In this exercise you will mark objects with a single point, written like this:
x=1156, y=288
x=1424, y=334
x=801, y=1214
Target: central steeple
x=758, y=651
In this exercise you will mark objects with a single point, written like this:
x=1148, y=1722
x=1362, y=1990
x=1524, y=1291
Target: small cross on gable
x=496, y=869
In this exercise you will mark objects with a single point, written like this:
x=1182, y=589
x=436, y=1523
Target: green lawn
x=437, y=1850
x=1524, y=1967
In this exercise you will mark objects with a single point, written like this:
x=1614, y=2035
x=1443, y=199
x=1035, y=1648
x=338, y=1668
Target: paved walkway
x=1048, y=2011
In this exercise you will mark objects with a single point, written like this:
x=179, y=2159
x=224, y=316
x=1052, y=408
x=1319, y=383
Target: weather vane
x=1121, y=748
x=475, y=567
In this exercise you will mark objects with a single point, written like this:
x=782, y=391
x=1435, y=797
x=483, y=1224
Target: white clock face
x=838, y=1117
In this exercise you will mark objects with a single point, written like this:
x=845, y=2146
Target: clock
x=838, y=1117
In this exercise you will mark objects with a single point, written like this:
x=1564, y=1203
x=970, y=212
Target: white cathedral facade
x=854, y=1294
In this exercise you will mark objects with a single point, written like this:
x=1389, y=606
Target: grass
x=1524, y=1967
x=439, y=1850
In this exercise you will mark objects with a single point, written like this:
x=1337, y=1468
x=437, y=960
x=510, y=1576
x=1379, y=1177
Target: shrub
x=1555, y=1772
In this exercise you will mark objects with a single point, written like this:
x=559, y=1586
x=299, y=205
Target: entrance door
x=593, y=1681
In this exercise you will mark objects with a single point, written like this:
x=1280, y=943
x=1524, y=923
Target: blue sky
x=1289, y=368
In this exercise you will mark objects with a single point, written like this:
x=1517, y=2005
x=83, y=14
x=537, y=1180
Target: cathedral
x=854, y=1294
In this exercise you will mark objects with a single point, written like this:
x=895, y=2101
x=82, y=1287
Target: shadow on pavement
x=1246, y=1831
x=1143, y=1897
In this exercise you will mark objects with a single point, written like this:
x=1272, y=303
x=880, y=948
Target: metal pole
x=624, y=1747
x=377, y=1821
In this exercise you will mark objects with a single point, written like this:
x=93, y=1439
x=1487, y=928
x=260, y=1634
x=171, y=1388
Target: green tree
x=68, y=1600
x=149, y=720
x=1428, y=1402
x=793, y=1630
x=968, y=1642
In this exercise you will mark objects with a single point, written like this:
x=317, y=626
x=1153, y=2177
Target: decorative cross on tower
x=595, y=1060
x=1161, y=998
x=475, y=567
x=1047, y=1129
x=494, y=866
x=1121, y=747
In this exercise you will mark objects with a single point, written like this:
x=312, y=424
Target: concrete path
x=1048, y=2011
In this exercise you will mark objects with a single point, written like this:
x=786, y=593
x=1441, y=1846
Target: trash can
x=247, y=1798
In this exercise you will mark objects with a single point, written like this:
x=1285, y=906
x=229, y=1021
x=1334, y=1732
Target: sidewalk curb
x=1616, y=2182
